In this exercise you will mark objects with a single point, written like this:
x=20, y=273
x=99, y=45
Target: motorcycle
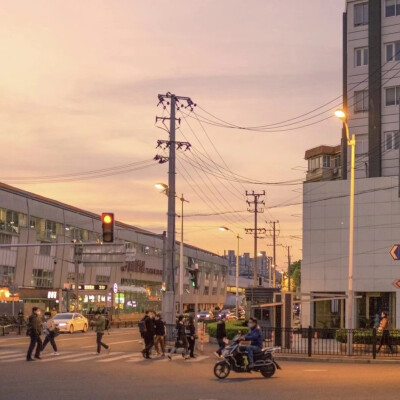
x=236, y=360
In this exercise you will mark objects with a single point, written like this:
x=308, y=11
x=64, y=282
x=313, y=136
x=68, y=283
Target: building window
x=10, y=221
x=102, y=279
x=393, y=51
x=42, y=278
x=361, y=101
x=361, y=56
x=206, y=290
x=326, y=161
x=71, y=278
x=360, y=14
x=214, y=291
x=7, y=275
x=337, y=162
x=44, y=250
x=392, y=96
x=392, y=8
x=5, y=239
x=390, y=140
x=313, y=163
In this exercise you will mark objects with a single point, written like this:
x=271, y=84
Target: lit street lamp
x=224, y=228
x=350, y=295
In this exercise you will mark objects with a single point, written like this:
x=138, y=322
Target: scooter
x=236, y=360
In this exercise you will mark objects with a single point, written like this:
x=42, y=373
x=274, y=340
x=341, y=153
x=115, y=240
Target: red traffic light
x=107, y=220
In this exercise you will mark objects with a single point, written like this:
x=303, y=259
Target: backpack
x=142, y=327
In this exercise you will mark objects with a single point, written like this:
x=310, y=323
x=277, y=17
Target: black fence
x=334, y=342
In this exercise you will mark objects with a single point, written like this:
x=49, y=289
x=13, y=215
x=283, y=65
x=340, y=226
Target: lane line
x=110, y=344
x=14, y=360
x=9, y=352
x=115, y=358
x=10, y=356
x=93, y=356
x=59, y=358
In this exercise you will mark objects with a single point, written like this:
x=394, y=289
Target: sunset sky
x=78, y=92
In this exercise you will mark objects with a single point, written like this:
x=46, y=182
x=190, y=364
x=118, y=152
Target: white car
x=71, y=322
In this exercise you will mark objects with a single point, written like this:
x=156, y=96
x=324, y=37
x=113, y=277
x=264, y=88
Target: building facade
x=371, y=93
x=45, y=274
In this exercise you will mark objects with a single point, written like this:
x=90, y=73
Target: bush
x=366, y=337
x=232, y=328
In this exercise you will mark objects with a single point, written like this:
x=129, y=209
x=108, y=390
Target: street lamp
x=165, y=189
x=224, y=228
x=350, y=295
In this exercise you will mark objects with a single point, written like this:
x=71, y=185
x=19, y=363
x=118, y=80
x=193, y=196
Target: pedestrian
x=99, y=323
x=34, y=331
x=384, y=327
x=181, y=340
x=159, y=339
x=221, y=335
x=191, y=336
x=50, y=330
x=20, y=317
x=148, y=333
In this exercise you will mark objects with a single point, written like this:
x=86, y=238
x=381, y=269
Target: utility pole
x=256, y=201
x=181, y=267
x=169, y=99
x=78, y=252
x=273, y=223
x=288, y=271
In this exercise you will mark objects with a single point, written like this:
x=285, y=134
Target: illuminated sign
x=52, y=295
x=90, y=287
x=115, y=288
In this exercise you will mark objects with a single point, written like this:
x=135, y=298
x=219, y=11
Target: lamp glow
x=340, y=114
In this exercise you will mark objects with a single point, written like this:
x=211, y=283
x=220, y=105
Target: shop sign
x=90, y=287
x=52, y=295
x=115, y=288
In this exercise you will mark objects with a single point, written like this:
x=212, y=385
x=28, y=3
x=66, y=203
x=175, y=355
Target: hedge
x=232, y=328
x=366, y=337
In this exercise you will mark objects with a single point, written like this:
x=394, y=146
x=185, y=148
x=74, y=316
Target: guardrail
x=333, y=342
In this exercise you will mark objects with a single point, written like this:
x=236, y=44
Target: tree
x=295, y=274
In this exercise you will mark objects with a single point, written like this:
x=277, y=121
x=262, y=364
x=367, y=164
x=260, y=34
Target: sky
x=78, y=92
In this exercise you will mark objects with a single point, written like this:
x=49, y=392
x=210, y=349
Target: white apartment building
x=371, y=93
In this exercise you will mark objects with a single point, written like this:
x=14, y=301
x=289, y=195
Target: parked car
x=205, y=315
x=228, y=314
x=71, y=322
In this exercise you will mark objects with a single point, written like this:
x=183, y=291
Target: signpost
x=13, y=289
x=395, y=252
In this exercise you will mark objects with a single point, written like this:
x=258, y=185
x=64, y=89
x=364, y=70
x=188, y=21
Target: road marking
x=110, y=344
x=315, y=370
x=56, y=358
x=14, y=359
x=8, y=352
x=92, y=356
x=10, y=356
x=115, y=358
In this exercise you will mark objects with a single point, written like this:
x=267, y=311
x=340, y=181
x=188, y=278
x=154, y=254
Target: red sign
x=396, y=283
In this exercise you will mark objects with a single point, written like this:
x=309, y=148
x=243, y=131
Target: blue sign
x=395, y=252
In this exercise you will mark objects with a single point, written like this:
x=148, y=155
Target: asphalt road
x=79, y=374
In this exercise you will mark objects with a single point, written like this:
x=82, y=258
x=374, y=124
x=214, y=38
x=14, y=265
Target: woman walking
x=49, y=328
x=384, y=327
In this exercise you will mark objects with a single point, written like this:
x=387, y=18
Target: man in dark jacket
x=148, y=335
x=159, y=340
x=34, y=331
x=256, y=341
x=181, y=340
x=221, y=335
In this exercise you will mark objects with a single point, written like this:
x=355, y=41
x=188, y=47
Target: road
x=77, y=373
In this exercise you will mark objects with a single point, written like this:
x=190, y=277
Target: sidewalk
x=210, y=348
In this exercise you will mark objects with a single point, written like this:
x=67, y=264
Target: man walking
x=148, y=333
x=221, y=335
x=99, y=323
x=49, y=327
x=34, y=331
x=159, y=339
x=191, y=336
x=181, y=340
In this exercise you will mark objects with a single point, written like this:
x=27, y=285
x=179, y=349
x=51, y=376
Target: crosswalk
x=14, y=356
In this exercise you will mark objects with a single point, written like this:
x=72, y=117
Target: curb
x=335, y=360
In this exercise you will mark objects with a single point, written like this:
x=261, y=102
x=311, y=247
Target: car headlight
x=207, y=315
x=62, y=324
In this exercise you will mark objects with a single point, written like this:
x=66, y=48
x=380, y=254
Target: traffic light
x=107, y=220
x=194, y=278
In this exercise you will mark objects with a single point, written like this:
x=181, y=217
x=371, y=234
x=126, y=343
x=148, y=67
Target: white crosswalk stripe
x=12, y=356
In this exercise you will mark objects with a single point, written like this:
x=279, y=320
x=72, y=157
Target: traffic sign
x=395, y=252
x=396, y=283
x=13, y=288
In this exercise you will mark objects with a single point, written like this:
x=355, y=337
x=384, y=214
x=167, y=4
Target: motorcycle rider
x=255, y=337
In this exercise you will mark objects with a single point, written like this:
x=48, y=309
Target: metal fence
x=333, y=342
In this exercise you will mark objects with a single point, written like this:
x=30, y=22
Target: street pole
x=181, y=266
x=77, y=259
x=168, y=301
x=237, y=277
x=288, y=255
x=274, y=252
x=255, y=240
x=270, y=271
